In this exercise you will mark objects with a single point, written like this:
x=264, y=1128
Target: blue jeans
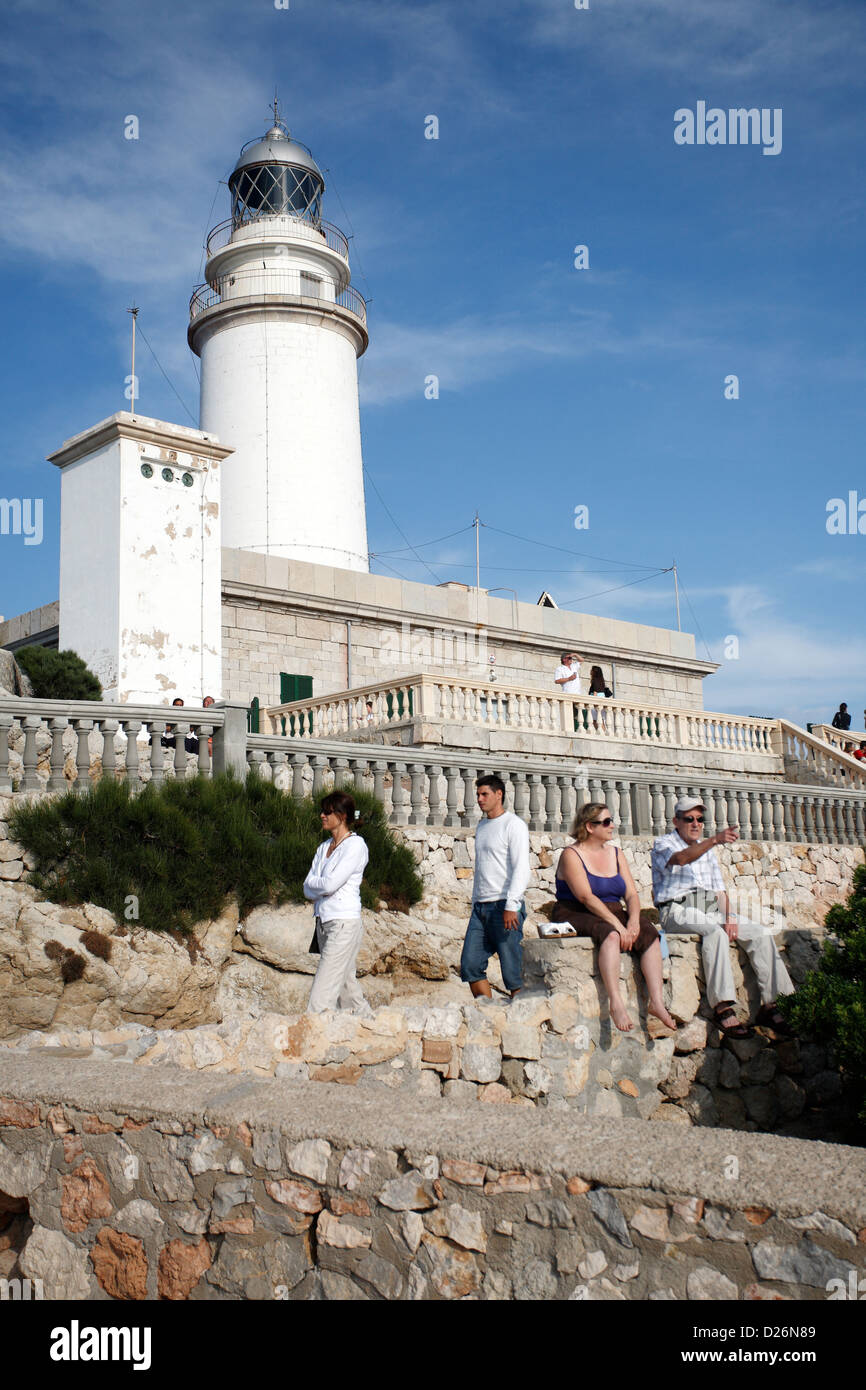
x=487, y=935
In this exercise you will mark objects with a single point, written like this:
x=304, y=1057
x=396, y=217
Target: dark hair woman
x=591, y=885
x=598, y=686
x=334, y=886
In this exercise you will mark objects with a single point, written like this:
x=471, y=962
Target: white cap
x=688, y=803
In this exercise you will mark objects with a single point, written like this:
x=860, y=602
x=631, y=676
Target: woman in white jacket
x=334, y=887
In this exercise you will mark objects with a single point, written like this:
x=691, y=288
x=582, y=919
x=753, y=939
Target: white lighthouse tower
x=279, y=329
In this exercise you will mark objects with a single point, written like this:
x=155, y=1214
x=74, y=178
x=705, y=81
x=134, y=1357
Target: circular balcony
x=274, y=226
x=245, y=289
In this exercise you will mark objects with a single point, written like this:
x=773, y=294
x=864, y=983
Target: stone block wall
x=285, y=615
x=118, y=1186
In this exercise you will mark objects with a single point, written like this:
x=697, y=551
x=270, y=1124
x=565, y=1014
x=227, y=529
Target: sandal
x=768, y=1016
x=737, y=1030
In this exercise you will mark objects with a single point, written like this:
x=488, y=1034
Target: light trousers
x=335, y=985
x=700, y=913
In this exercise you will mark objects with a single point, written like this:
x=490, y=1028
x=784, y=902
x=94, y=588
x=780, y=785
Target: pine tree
x=58, y=675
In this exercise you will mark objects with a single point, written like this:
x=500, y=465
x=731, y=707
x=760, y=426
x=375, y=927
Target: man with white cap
x=689, y=892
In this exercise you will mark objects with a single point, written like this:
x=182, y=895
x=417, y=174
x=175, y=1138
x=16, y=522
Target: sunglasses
x=608, y=821
x=692, y=820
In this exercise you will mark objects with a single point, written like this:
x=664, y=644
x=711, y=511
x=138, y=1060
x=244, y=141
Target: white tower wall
x=284, y=391
x=140, y=586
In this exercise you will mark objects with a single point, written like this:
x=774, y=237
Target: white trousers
x=697, y=915
x=335, y=985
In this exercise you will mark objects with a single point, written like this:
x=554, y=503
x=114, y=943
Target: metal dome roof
x=277, y=147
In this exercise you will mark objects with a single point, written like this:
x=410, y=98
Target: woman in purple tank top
x=593, y=881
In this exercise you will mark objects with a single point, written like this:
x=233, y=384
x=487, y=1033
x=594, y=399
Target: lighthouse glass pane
x=265, y=190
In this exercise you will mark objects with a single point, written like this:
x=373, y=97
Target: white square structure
x=140, y=542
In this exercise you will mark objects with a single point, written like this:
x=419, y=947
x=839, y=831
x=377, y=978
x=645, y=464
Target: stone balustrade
x=56, y=745
x=429, y=787
x=838, y=738
x=521, y=708
x=812, y=758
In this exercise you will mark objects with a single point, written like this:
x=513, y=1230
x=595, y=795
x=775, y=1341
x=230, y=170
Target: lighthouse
x=279, y=330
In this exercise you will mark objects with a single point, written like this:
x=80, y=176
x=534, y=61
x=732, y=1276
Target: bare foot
x=619, y=1014
x=660, y=1012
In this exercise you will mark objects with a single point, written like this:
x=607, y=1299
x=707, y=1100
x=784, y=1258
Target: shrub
x=180, y=850
x=58, y=675
x=830, y=1005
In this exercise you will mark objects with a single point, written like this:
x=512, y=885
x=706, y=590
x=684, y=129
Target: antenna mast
x=134, y=312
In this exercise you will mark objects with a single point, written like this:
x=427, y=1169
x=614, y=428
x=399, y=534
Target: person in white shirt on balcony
x=689, y=892
x=501, y=879
x=334, y=887
x=567, y=676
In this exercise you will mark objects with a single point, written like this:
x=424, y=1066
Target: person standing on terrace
x=567, y=676
x=842, y=719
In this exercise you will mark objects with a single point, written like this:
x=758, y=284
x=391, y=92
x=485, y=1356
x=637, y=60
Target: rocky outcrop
x=13, y=681
x=121, y=972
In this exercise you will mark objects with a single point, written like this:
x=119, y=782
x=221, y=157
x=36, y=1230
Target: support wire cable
x=167, y=377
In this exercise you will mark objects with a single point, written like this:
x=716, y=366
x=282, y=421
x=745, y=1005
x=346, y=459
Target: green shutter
x=294, y=687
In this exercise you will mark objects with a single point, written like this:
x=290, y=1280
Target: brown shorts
x=587, y=924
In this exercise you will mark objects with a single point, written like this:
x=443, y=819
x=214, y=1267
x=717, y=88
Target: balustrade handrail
x=496, y=689
x=635, y=776
x=220, y=235
x=206, y=296
x=24, y=705
x=836, y=736
x=823, y=750
x=408, y=780
x=409, y=783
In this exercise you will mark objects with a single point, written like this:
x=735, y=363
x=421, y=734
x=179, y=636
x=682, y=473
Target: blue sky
x=558, y=387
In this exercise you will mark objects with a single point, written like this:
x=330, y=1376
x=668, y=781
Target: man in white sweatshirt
x=501, y=879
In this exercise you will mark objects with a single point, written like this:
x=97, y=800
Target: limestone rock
x=805, y=1263
x=257, y=1272
x=13, y=681
x=706, y=1283
x=453, y=1273
x=357, y=1165
x=410, y=1192
x=138, y=1218
x=684, y=994
x=280, y=936
x=310, y=1159
x=464, y=1228
x=481, y=1062
x=62, y=1266
x=344, y=1235
x=692, y=1037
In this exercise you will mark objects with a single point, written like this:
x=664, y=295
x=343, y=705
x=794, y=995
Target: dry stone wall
x=128, y=1185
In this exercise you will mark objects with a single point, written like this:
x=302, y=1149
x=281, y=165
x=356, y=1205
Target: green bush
x=185, y=847
x=830, y=1005
x=58, y=675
